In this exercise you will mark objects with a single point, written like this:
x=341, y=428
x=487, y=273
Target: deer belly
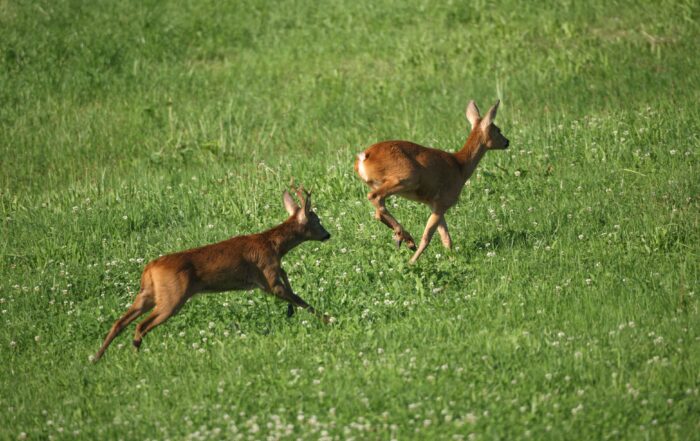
x=227, y=283
x=418, y=197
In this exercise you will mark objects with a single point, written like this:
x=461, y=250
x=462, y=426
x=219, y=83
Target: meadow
x=567, y=309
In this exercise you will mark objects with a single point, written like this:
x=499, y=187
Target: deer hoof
x=409, y=241
x=137, y=344
x=403, y=236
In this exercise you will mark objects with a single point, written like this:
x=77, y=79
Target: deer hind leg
x=444, y=233
x=170, y=295
x=433, y=222
x=141, y=304
x=377, y=197
x=155, y=318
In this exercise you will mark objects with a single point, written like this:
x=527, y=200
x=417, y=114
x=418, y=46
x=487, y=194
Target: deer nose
x=326, y=237
x=507, y=144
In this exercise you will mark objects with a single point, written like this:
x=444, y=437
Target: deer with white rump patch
x=430, y=176
x=239, y=263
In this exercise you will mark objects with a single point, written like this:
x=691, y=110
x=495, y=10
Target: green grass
x=568, y=308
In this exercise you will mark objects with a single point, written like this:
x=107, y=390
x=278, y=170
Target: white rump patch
x=361, y=166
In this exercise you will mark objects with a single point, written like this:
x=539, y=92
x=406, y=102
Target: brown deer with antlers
x=239, y=263
x=430, y=176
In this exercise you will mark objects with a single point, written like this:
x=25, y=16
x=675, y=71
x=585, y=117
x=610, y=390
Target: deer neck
x=470, y=155
x=285, y=236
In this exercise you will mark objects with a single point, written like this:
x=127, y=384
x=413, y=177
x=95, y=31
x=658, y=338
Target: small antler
x=300, y=192
x=304, y=197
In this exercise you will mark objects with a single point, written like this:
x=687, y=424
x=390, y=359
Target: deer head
x=307, y=220
x=489, y=133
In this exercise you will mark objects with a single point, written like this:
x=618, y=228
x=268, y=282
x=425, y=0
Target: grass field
x=568, y=308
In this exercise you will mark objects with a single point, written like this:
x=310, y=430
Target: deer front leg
x=433, y=222
x=377, y=197
x=400, y=234
x=285, y=280
x=280, y=289
x=444, y=233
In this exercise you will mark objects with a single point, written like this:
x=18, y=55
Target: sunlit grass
x=567, y=309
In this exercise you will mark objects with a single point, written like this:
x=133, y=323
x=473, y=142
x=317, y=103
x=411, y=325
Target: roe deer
x=239, y=263
x=431, y=176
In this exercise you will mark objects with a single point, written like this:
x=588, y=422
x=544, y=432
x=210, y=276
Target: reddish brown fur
x=427, y=175
x=239, y=263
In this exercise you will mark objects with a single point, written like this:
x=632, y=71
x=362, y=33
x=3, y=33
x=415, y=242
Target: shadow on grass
x=505, y=239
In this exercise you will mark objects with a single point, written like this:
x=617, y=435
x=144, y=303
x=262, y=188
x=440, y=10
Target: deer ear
x=490, y=115
x=473, y=114
x=289, y=203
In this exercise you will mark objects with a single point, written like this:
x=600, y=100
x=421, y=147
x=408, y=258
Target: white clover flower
x=471, y=418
